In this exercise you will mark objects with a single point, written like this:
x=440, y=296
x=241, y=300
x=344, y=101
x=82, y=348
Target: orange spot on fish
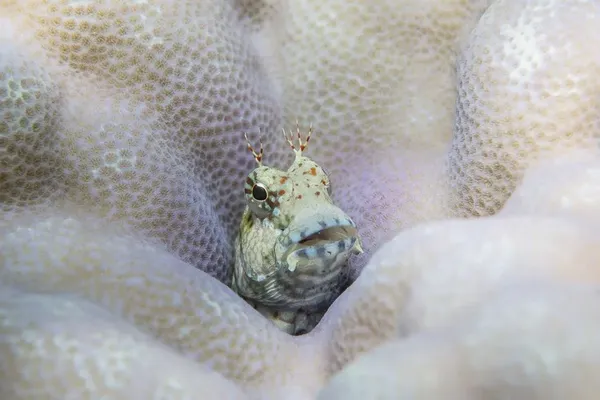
x=281, y=192
x=312, y=171
x=283, y=179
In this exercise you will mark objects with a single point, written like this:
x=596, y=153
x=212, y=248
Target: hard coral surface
x=460, y=135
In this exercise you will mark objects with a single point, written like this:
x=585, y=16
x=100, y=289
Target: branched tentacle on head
x=294, y=241
x=257, y=156
x=301, y=146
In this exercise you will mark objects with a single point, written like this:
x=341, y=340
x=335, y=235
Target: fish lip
x=333, y=236
x=306, y=231
x=326, y=235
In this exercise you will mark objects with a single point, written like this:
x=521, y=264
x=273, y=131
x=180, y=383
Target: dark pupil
x=259, y=193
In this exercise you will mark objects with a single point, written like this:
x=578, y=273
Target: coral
x=157, y=97
x=122, y=162
x=520, y=98
x=529, y=341
x=30, y=106
x=415, y=310
x=85, y=328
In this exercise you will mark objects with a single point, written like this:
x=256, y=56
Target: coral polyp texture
x=461, y=136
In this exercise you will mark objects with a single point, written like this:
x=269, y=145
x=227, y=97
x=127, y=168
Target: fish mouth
x=331, y=234
x=311, y=255
x=330, y=245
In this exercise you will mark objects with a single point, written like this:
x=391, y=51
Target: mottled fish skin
x=273, y=269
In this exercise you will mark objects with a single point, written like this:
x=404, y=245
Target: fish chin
x=310, y=271
x=299, y=263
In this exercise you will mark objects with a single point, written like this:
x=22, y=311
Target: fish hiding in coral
x=293, y=241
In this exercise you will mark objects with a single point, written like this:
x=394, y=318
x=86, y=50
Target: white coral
x=118, y=209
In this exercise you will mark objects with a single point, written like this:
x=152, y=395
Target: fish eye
x=259, y=192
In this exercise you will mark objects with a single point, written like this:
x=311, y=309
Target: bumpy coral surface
x=461, y=136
